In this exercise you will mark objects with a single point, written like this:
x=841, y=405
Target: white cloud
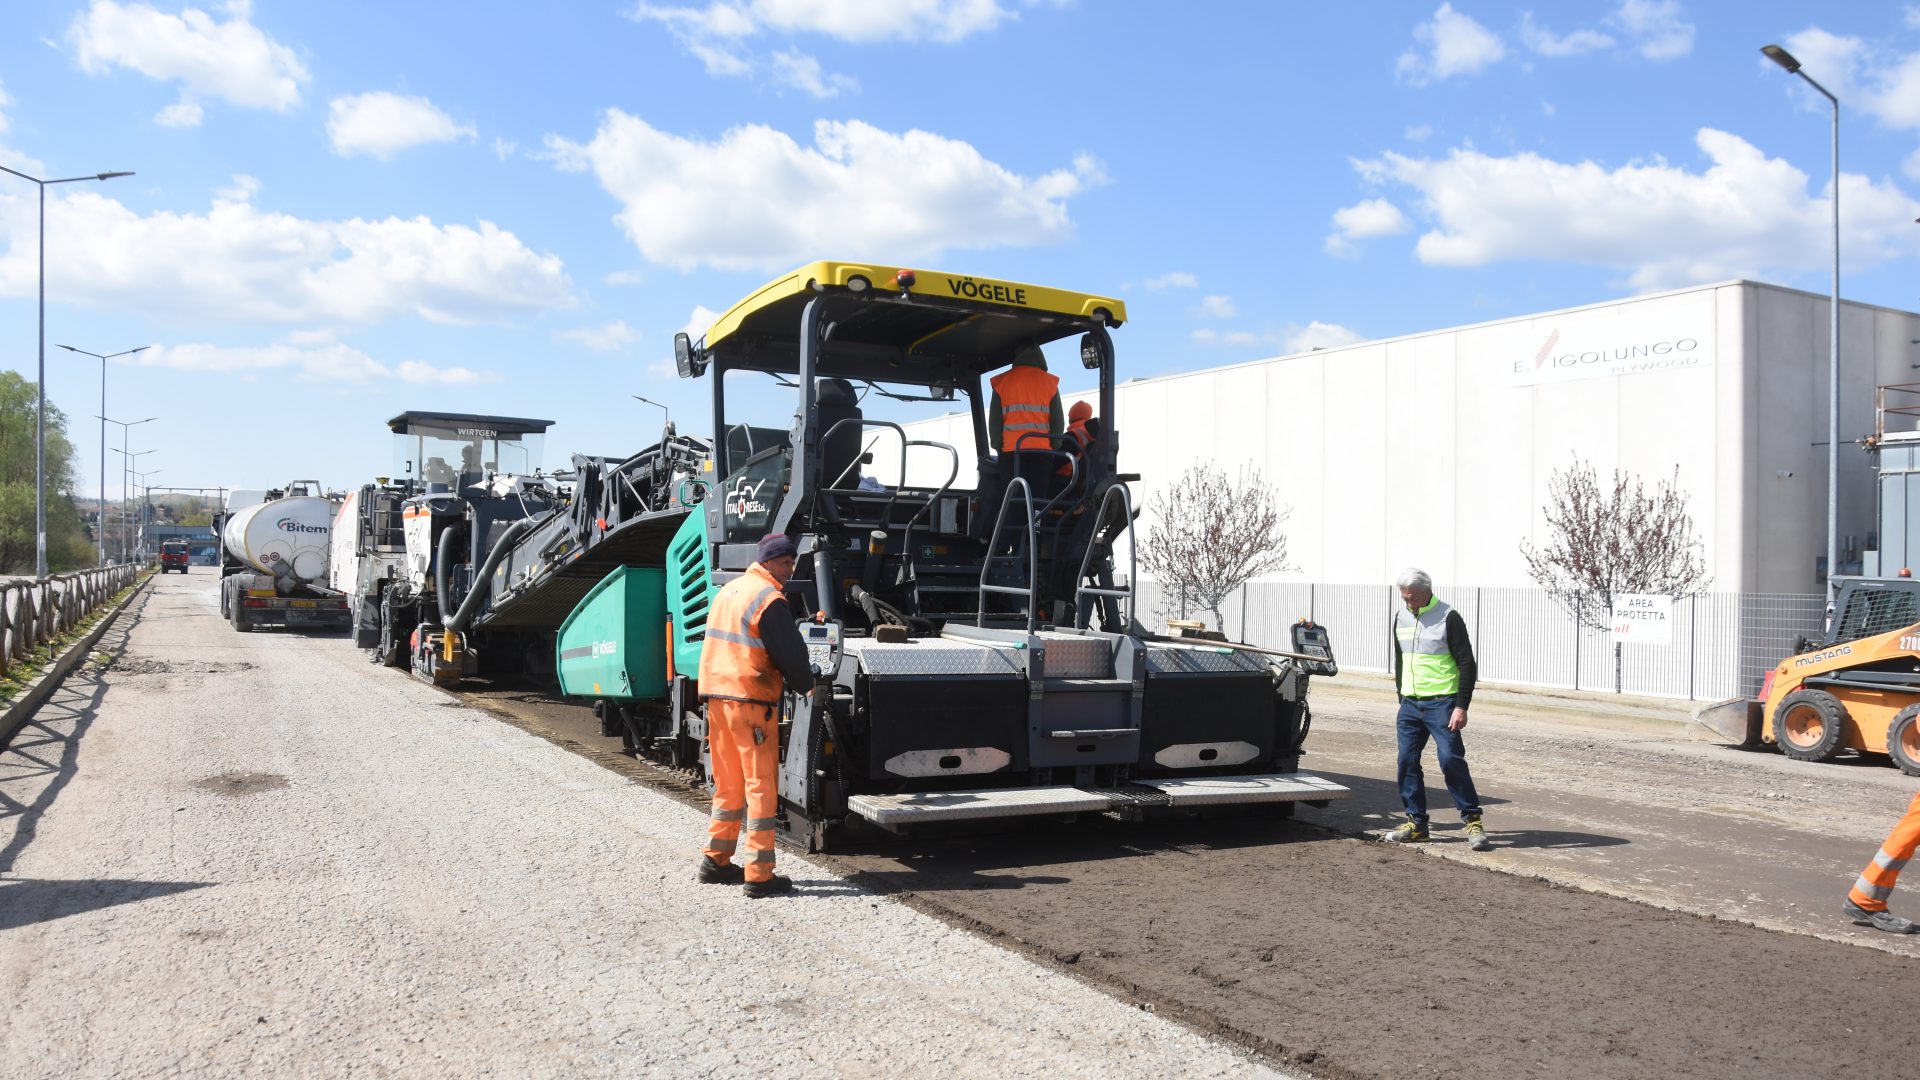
x=503, y=149
x=1318, y=335
x=1547, y=43
x=180, y=114
x=232, y=61
x=1658, y=27
x=1666, y=226
x=802, y=72
x=698, y=321
x=239, y=264
x=1216, y=307
x=626, y=277
x=1228, y=338
x=755, y=199
x=309, y=361
x=1454, y=45
x=720, y=33
x=613, y=337
x=1173, y=279
x=1418, y=132
x=1883, y=83
x=381, y=124
x=1364, y=221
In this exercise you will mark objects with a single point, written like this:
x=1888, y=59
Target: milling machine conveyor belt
x=544, y=598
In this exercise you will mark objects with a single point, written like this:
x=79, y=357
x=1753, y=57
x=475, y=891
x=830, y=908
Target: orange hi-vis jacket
x=734, y=663
x=1078, y=433
x=1026, y=406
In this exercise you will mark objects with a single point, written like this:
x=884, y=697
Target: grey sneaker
x=1477, y=836
x=1409, y=832
x=1879, y=920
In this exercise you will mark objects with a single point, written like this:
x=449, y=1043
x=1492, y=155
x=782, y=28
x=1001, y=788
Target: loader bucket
x=1736, y=720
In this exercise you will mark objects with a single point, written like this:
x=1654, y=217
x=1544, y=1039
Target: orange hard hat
x=1080, y=411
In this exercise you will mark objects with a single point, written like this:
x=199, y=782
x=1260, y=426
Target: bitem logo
x=292, y=526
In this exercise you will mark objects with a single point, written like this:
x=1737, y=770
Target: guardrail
x=35, y=612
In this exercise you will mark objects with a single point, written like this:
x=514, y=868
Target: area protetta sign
x=1607, y=346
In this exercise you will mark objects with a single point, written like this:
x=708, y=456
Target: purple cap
x=774, y=546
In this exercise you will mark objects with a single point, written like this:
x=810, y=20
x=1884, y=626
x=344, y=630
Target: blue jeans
x=1417, y=722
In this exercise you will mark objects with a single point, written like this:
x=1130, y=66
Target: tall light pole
x=668, y=416
x=126, y=429
x=1785, y=59
x=40, y=425
x=146, y=503
x=101, y=520
x=126, y=513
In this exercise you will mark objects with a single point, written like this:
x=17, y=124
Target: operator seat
x=839, y=452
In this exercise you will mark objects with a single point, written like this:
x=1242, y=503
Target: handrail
x=1081, y=613
x=1032, y=591
x=35, y=612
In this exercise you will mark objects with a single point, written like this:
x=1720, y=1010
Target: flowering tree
x=1212, y=533
x=1606, y=540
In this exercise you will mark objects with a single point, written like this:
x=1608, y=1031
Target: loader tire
x=1903, y=740
x=1810, y=725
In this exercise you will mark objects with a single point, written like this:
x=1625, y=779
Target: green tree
x=67, y=544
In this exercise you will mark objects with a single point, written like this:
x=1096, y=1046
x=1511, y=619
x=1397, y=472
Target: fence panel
x=34, y=612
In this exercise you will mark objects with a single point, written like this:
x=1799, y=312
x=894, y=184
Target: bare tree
x=1213, y=533
x=1604, y=541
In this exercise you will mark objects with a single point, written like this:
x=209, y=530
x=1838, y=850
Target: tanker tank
x=284, y=538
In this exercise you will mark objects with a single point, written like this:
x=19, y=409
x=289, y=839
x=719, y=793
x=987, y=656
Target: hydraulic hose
x=483, y=579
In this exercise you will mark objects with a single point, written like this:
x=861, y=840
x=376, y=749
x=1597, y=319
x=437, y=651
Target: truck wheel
x=1903, y=740
x=226, y=601
x=1810, y=725
x=239, y=618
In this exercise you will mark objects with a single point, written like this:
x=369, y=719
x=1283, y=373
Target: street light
x=102, y=524
x=1785, y=59
x=126, y=428
x=40, y=425
x=146, y=502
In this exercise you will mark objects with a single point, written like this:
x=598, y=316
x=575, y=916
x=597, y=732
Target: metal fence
x=1722, y=643
x=34, y=612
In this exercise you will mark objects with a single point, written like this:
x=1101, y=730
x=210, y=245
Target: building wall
x=1438, y=449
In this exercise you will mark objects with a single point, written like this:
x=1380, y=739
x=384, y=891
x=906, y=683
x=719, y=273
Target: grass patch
x=24, y=672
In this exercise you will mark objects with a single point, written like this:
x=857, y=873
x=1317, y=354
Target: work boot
x=1477, y=835
x=1409, y=832
x=773, y=886
x=719, y=873
x=1879, y=920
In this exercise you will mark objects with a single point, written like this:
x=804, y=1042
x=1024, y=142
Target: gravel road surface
x=255, y=854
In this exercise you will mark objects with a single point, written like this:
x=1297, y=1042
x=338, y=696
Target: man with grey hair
x=1433, y=672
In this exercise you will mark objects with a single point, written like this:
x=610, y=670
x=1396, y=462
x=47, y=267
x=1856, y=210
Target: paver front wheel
x=1809, y=725
x=1903, y=740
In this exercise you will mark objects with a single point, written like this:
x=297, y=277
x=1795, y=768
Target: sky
x=343, y=211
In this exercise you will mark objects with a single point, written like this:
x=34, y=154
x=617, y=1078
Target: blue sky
x=346, y=210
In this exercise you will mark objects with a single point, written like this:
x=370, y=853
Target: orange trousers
x=1876, y=881
x=743, y=741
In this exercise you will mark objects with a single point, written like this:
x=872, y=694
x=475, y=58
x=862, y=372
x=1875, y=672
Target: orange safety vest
x=733, y=660
x=1026, y=406
x=1077, y=432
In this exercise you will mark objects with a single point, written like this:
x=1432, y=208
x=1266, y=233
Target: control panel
x=1310, y=640
x=823, y=646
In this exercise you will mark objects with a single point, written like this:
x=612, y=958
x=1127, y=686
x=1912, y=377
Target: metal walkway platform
x=895, y=811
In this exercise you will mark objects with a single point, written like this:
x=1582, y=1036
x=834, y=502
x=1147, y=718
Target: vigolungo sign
x=1574, y=347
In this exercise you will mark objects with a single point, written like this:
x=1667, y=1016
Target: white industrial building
x=1435, y=449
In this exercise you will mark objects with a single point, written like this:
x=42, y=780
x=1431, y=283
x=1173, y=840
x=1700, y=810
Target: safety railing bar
x=1017, y=484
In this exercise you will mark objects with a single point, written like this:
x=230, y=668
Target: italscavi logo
x=292, y=526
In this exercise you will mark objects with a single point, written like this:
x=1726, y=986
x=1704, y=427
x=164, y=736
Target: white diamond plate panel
x=975, y=805
x=1070, y=656
x=933, y=656
x=1257, y=788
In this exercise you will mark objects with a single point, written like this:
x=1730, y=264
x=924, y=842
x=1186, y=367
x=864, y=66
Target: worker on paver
x=1081, y=428
x=1433, y=671
x=752, y=645
x=1867, y=900
x=1026, y=402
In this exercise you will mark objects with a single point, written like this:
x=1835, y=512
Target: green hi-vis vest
x=1426, y=664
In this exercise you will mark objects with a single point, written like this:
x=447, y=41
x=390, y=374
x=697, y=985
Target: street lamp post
x=1785, y=59
x=127, y=471
x=126, y=429
x=40, y=424
x=667, y=416
x=101, y=519
x=146, y=503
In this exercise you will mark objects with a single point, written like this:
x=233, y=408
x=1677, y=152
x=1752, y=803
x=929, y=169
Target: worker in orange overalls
x=1867, y=900
x=752, y=649
x=1080, y=435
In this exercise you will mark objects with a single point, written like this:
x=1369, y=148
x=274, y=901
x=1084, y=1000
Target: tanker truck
x=273, y=562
